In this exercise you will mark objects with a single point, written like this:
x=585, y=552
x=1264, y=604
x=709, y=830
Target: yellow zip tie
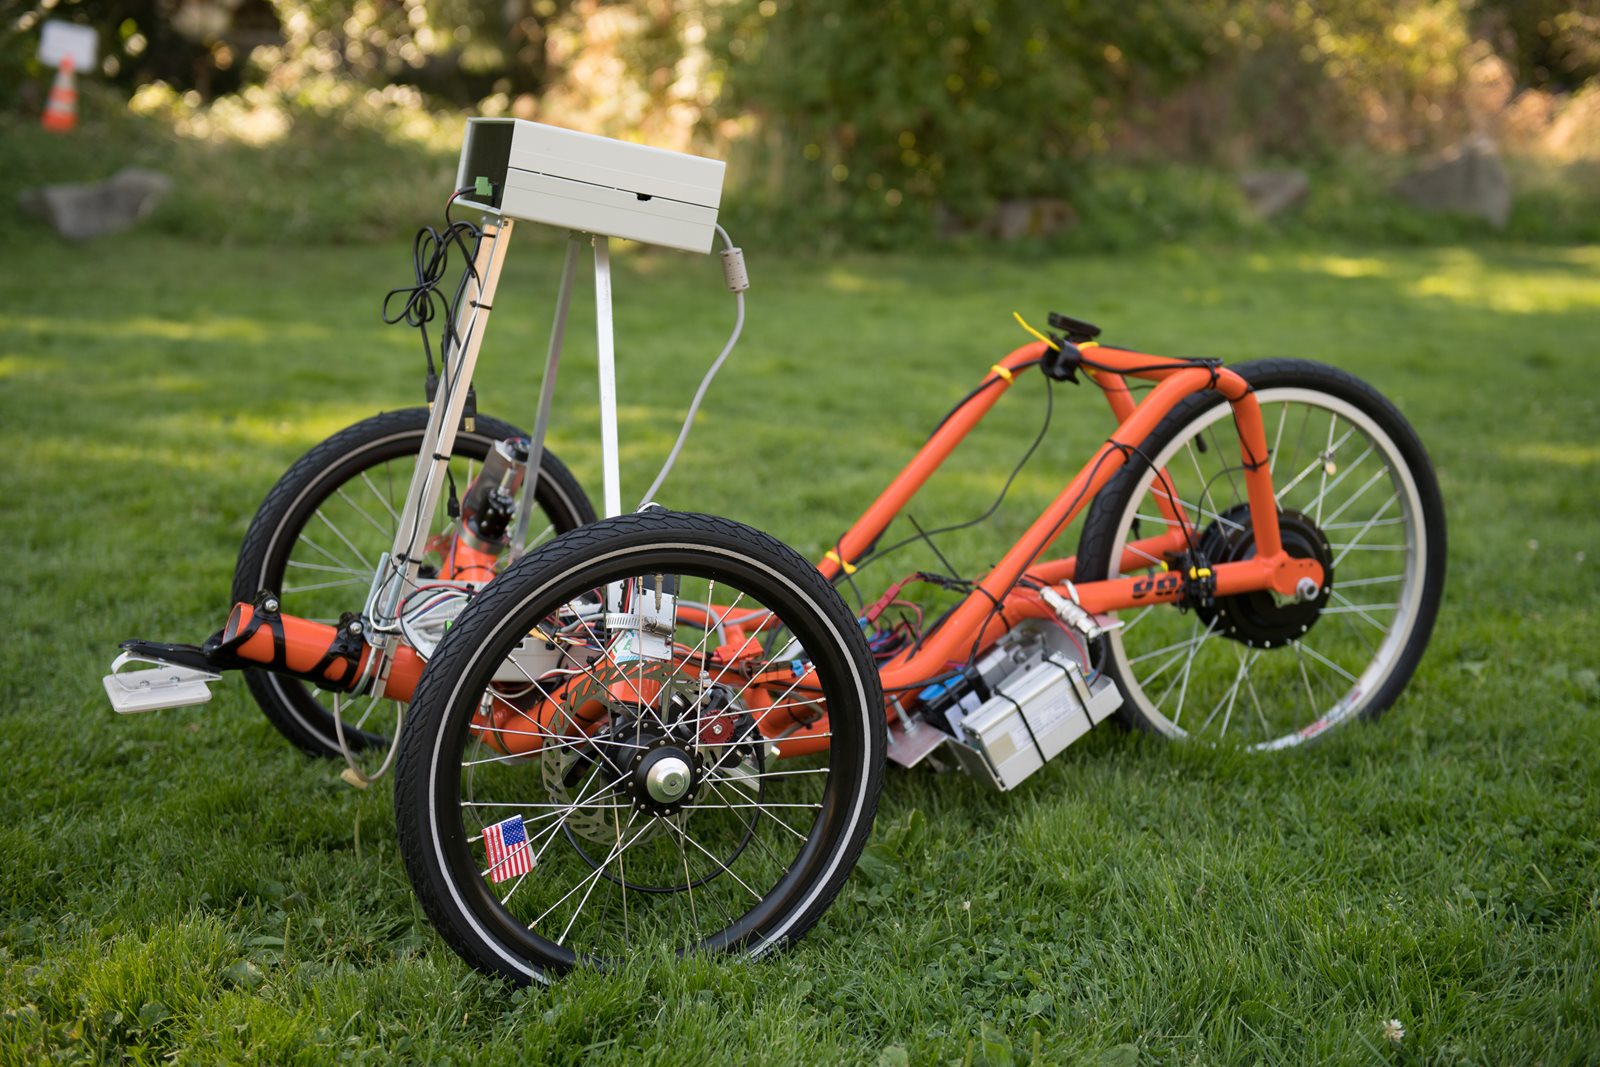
x=1199, y=572
x=1003, y=372
x=1024, y=324
x=844, y=564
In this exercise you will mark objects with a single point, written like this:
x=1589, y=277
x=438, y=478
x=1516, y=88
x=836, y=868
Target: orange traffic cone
x=61, y=110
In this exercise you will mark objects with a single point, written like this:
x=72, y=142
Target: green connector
x=482, y=186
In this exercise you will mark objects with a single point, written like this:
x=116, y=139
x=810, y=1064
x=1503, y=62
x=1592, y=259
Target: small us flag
x=506, y=843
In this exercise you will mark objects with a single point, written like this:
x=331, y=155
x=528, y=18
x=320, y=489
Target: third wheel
x=1355, y=491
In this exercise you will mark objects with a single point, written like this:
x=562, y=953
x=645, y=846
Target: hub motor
x=1263, y=619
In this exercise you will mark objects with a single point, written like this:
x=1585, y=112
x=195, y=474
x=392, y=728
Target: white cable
x=353, y=775
x=734, y=270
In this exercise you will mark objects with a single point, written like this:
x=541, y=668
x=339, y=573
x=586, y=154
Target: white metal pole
x=609, y=459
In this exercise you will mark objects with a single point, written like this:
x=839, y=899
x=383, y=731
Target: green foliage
x=183, y=887
x=882, y=111
x=1555, y=44
x=327, y=163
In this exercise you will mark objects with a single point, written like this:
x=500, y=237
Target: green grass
x=184, y=885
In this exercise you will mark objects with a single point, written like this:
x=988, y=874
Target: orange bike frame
x=998, y=602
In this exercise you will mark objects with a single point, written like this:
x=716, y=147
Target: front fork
x=398, y=571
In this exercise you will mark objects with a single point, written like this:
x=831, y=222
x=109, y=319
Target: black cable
x=1038, y=439
x=1055, y=531
x=1172, y=363
x=430, y=264
x=948, y=566
x=981, y=386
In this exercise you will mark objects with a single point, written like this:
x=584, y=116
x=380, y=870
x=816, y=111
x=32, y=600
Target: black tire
x=296, y=708
x=1191, y=442
x=436, y=802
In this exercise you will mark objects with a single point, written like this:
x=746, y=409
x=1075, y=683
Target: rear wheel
x=1355, y=491
x=317, y=537
x=581, y=785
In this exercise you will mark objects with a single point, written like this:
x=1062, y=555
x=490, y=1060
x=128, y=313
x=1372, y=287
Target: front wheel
x=318, y=535
x=1355, y=490
x=598, y=761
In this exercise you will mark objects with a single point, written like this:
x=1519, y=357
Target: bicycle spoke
x=1188, y=665
x=359, y=510
x=323, y=567
x=725, y=868
x=1360, y=610
x=387, y=506
x=1328, y=662
x=341, y=536
x=1327, y=459
x=1338, y=480
x=333, y=584
x=1354, y=542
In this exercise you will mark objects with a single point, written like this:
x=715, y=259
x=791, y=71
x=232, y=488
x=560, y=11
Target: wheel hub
x=1261, y=619
x=668, y=779
x=663, y=777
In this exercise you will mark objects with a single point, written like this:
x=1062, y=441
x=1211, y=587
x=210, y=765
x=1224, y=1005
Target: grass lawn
x=186, y=886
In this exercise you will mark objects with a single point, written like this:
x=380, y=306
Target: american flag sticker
x=506, y=843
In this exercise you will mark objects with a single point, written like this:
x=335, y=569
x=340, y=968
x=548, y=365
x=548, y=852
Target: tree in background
x=872, y=119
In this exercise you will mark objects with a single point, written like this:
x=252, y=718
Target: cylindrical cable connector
x=733, y=270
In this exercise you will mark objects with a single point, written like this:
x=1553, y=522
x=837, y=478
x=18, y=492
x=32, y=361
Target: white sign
x=61, y=40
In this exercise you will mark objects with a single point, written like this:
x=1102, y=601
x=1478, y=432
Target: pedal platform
x=159, y=685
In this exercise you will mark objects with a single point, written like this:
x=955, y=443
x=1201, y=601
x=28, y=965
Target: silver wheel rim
x=1342, y=470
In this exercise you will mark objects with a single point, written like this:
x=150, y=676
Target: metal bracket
x=911, y=742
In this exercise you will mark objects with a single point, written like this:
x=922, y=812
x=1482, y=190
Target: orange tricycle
x=667, y=729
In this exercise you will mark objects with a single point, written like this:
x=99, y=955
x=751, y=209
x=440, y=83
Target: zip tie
x=844, y=564
x=1003, y=372
x=1024, y=324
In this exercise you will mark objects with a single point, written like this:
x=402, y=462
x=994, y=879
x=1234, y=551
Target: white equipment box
x=1033, y=715
x=528, y=170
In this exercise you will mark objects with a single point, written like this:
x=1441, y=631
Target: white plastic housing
x=592, y=184
x=1059, y=707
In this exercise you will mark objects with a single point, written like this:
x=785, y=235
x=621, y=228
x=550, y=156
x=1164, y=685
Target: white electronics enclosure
x=527, y=170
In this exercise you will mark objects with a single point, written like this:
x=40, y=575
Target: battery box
x=1031, y=716
x=578, y=181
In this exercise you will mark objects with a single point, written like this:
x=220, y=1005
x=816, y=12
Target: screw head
x=1305, y=589
x=356, y=628
x=270, y=605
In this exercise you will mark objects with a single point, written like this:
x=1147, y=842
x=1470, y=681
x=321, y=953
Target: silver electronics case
x=1032, y=716
x=591, y=184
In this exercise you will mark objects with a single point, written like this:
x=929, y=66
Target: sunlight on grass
x=311, y=424
x=21, y=367
x=233, y=328
x=1348, y=266
x=853, y=281
x=1551, y=284
x=1568, y=455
